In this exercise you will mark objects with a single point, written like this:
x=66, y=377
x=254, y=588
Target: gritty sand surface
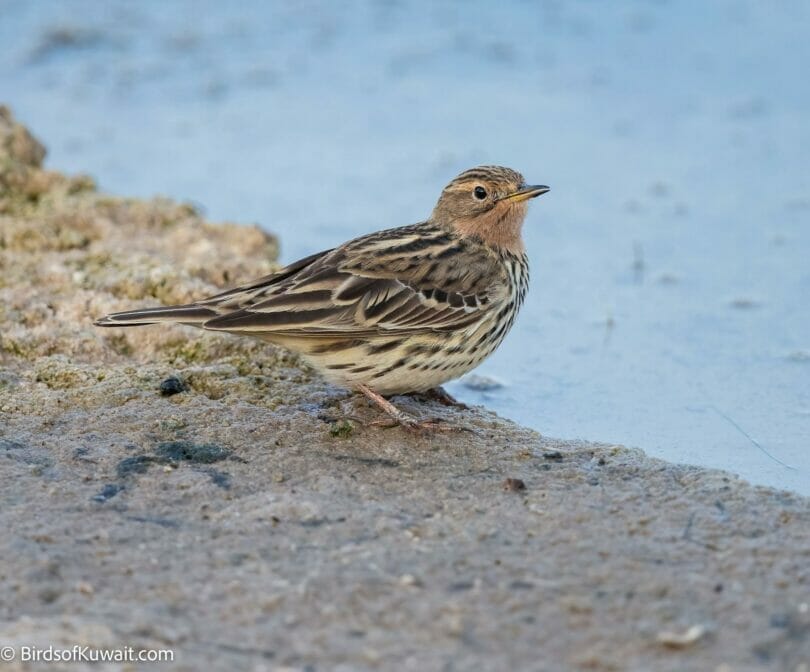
x=244, y=523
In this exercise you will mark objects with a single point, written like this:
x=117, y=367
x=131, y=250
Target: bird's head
x=488, y=202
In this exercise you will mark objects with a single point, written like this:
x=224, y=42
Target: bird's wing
x=246, y=295
x=402, y=281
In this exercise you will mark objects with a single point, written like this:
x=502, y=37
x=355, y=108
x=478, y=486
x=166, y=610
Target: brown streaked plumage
x=400, y=310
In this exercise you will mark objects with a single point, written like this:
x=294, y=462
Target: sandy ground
x=235, y=516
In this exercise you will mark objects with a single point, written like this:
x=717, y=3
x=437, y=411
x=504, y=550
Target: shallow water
x=670, y=299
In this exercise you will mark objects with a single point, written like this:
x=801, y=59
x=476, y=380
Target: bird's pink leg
x=399, y=417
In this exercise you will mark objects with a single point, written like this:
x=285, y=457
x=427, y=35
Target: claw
x=429, y=425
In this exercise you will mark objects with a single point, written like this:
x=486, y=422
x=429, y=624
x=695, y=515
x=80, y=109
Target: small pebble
x=171, y=386
x=107, y=492
x=681, y=640
x=85, y=588
x=553, y=455
x=513, y=485
x=481, y=383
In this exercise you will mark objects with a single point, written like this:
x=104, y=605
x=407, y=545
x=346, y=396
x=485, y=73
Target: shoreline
x=236, y=517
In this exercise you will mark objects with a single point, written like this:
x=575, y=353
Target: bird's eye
x=480, y=193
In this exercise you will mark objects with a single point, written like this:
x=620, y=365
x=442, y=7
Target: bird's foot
x=443, y=397
x=397, y=417
x=417, y=426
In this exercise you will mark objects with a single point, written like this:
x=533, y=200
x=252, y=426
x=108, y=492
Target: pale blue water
x=670, y=299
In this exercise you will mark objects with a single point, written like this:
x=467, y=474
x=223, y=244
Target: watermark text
x=84, y=654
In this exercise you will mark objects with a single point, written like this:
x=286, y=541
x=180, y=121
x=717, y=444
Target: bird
x=399, y=311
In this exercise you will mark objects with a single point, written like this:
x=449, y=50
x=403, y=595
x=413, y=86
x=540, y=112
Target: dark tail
x=190, y=314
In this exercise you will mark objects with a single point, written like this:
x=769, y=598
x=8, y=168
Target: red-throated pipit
x=397, y=311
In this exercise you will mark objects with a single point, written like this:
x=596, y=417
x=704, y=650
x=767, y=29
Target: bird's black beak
x=527, y=192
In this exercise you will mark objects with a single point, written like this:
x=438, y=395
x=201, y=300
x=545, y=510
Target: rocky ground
x=165, y=488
